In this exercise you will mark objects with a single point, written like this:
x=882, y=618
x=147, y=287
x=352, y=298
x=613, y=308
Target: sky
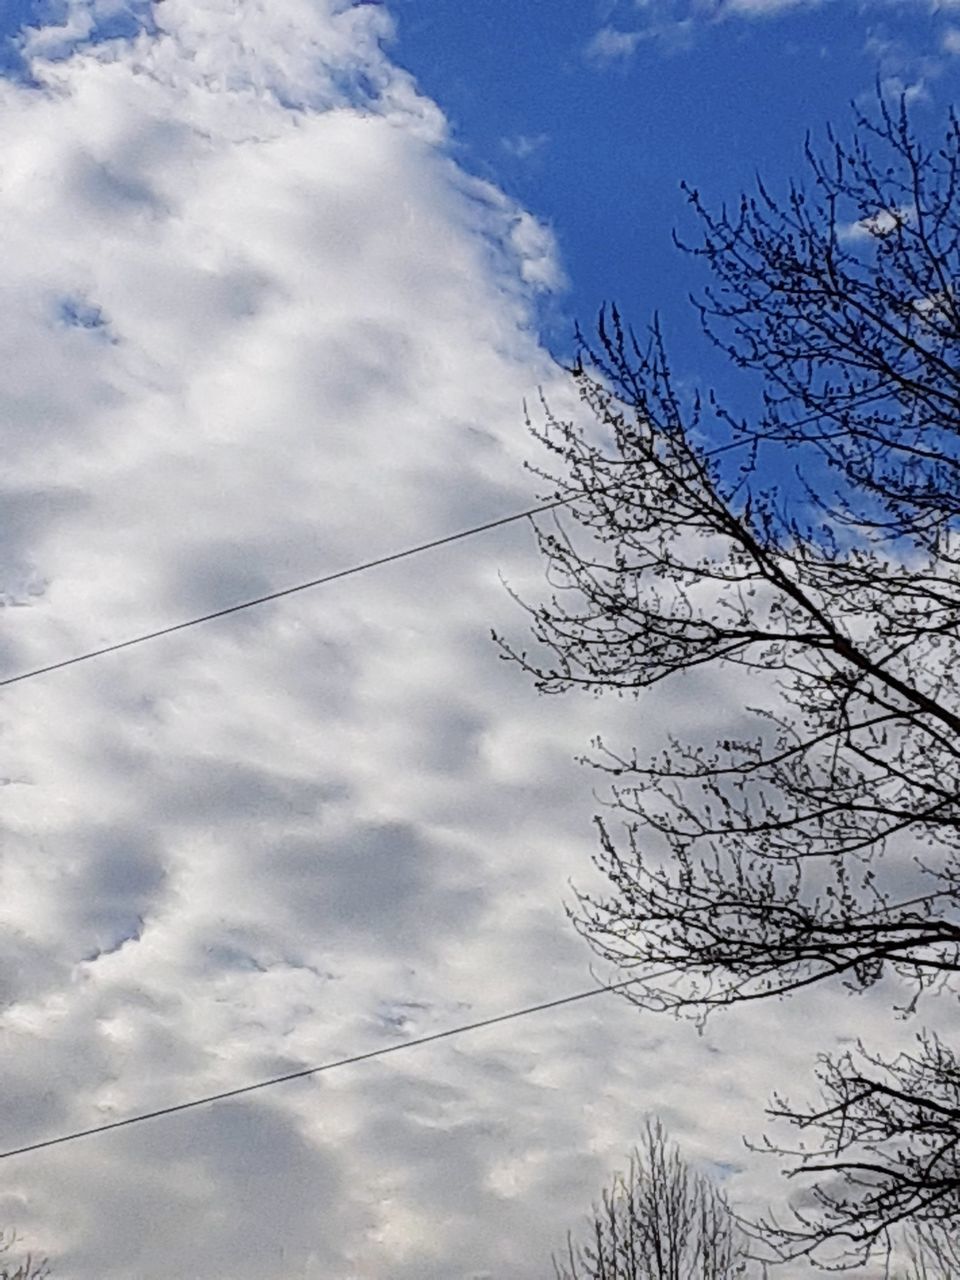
x=278, y=279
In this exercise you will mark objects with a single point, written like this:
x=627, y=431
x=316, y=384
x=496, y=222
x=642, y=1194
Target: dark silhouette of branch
x=819, y=840
x=659, y=1221
x=932, y=1254
x=29, y=1268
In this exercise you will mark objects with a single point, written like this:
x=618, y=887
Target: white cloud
x=877, y=225
x=522, y=145
x=673, y=24
x=258, y=325
x=536, y=249
x=903, y=68
x=767, y=8
x=609, y=46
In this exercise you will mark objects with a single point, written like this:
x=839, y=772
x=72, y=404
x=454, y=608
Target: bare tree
x=821, y=842
x=932, y=1255
x=660, y=1221
x=28, y=1269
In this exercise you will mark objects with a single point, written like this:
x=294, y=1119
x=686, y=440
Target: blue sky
x=709, y=95
x=278, y=278
x=593, y=117
x=590, y=114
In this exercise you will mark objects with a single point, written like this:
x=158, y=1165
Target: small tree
x=28, y=1269
x=660, y=1221
x=821, y=843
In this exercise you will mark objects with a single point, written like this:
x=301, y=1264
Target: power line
x=208, y=1099
x=392, y=558
x=288, y=591
x=406, y=554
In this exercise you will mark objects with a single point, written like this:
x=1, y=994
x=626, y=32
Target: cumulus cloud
x=258, y=325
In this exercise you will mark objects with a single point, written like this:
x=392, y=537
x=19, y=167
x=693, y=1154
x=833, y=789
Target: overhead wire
x=226, y=1094
x=353, y=1059
x=268, y=597
x=336, y=575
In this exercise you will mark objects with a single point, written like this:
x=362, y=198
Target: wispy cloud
x=610, y=46
x=676, y=22
x=523, y=145
x=763, y=8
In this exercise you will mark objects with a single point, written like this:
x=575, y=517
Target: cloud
x=522, y=145
x=764, y=8
x=258, y=325
x=673, y=24
x=903, y=66
x=878, y=225
x=609, y=46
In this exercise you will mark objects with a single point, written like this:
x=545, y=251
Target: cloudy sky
x=278, y=276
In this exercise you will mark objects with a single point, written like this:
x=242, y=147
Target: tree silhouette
x=28, y=1269
x=809, y=554
x=659, y=1221
x=932, y=1255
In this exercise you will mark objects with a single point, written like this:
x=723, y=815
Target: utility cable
x=406, y=554
x=353, y=570
x=382, y=1052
